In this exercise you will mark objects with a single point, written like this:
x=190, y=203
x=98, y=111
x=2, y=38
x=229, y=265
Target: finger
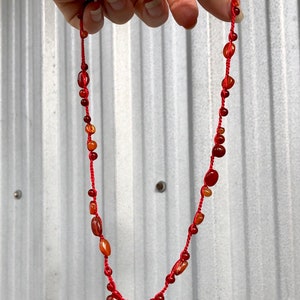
x=185, y=12
x=152, y=12
x=118, y=11
x=93, y=17
x=220, y=9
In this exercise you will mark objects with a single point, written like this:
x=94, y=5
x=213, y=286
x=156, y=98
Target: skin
x=152, y=12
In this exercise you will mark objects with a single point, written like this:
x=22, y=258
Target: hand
x=153, y=12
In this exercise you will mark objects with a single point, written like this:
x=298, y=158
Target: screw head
x=161, y=186
x=18, y=194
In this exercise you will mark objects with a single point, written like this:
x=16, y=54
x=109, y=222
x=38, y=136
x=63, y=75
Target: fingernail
x=153, y=7
x=239, y=17
x=96, y=14
x=116, y=4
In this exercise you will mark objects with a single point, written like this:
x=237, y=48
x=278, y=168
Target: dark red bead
x=84, y=93
x=83, y=34
x=108, y=271
x=229, y=50
x=92, y=193
x=218, y=150
x=219, y=139
x=87, y=119
x=83, y=79
x=159, y=296
x=170, y=279
x=111, y=286
x=236, y=10
x=185, y=255
x=85, y=102
x=232, y=36
x=211, y=177
x=225, y=94
x=228, y=82
x=96, y=226
x=93, y=155
x=193, y=229
x=223, y=111
x=84, y=66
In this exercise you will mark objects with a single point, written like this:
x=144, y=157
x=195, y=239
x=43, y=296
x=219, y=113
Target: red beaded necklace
x=210, y=178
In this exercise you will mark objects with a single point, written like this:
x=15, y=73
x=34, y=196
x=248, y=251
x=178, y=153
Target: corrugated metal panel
x=155, y=96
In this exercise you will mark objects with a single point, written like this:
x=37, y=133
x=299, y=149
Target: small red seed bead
x=206, y=191
x=87, y=119
x=93, y=155
x=111, y=286
x=225, y=94
x=218, y=150
x=84, y=93
x=211, y=177
x=96, y=226
x=91, y=145
x=185, y=255
x=93, y=207
x=83, y=79
x=90, y=128
x=221, y=130
x=83, y=34
x=170, y=279
x=199, y=217
x=84, y=66
x=104, y=247
x=229, y=50
x=228, y=82
x=180, y=266
x=108, y=271
x=232, y=36
x=219, y=139
x=84, y=102
x=92, y=193
x=223, y=111
x=193, y=229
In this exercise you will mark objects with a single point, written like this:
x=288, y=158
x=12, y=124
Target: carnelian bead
x=211, y=177
x=229, y=50
x=218, y=150
x=221, y=130
x=185, y=255
x=236, y=10
x=87, y=119
x=84, y=102
x=83, y=79
x=223, y=111
x=110, y=297
x=93, y=155
x=228, y=82
x=159, y=296
x=232, y=36
x=206, y=191
x=84, y=93
x=90, y=128
x=225, y=94
x=180, y=266
x=108, y=271
x=96, y=226
x=199, y=217
x=219, y=139
x=104, y=247
x=111, y=286
x=91, y=145
x=83, y=34
x=193, y=229
x=170, y=279
x=93, y=207
x=92, y=193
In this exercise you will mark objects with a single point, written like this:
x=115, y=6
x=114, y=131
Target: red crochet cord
x=210, y=178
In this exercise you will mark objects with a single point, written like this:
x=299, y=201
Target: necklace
x=210, y=179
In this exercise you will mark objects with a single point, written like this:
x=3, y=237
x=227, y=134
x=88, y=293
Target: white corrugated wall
x=155, y=96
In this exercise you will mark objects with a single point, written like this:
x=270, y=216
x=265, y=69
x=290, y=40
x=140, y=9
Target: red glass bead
x=199, y=217
x=111, y=297
x=111, y=286
x=223, y=111
x=104, y=247
x=90, y=128
x=219, y=139
x=235, y=2
x=206, y=191
x=84, y=93
x=83, y=34
x=218, y=150
x=185, y=255
x=93, y=155
x=193, y=229
x=159, y=296
x=225, y=94
x=83, y=79
x=211, y=177
x=170, y=279
x=229, y=50
x=96, y=226
x=91, y=145
x=221, y=130
x=93, y=207
x=84, y=102
x=92, y=193
x=236, y=10
x=228, y=82
x=84, y=66
x=232, y=36
x=108, y=271
x=180, y=266
x=87, y=119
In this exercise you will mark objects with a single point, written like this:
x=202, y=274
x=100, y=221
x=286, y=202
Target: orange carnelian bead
x=104, y=247
x=180, y=266
x=96, y=226
x=219, y=139
x=229, y=50
x=199, y=217
x=221, y=130
x=90, y=128
x=228, y=82
x=93, y=207
x=206, y=191
x=91, y=145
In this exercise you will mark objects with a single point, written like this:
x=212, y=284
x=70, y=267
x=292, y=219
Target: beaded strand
x=210, y=179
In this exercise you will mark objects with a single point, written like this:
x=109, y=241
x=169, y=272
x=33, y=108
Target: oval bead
x=206, y=191
x=83, y=79
x=229, y=50
x=84, y=93
x=219, y=139
x=218, y=150
x=180, y=266
x=93, y=207
x=228, y=82
x=90, y=128
x=104, y=247
x=211, y=177
x=91, y=145
x=96, y=226
x=199, y=217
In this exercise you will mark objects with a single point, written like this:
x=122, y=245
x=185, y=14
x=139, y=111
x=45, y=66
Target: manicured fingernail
x=154, y=7
x=239, y=17
x=96, y=15
x=116, y=4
